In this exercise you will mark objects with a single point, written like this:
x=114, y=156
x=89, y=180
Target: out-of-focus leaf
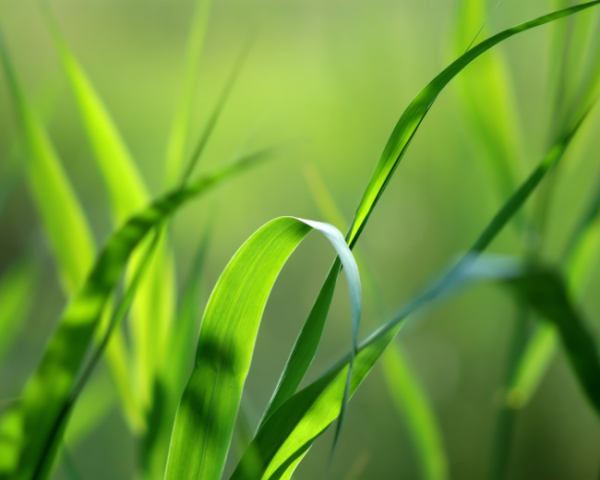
x=581, y=255
x=206, y=415
x=545, y=291
x=25, y=429
x=154, y=306
x=307, y=342
x=16, y=291
x=409, y=399
x=487, y=97
x=183, y=113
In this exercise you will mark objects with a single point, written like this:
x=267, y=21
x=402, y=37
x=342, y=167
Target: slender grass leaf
x=206, y=414
x=63, y=219
x=307, y=342
x=183, y=113
x=487, y=97
x=24, y=430
x=545, y=291
x=16, y=290
x=580, y=257
x=409, y=398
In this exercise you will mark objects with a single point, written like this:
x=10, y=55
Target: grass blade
x=307, y=342
x=292, y=427
x=410, y=401
x=206, y=415
x=183, y=113
x=49, y=388
x=487, y=97
x=16, y=290
x=409, y=398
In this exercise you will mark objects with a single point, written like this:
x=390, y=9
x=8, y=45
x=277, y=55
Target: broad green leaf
x=487, y=97
x=25, y=430
x=207, y=411
x=154, y=305
x=16, y=291
x=582, y=253
x=183, y=112
x=307, y=342
x=289, y=431
x=409, y=399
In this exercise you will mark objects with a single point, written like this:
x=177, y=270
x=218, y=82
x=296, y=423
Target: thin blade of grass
x=487, y=97
x=206, y=414
x=26, y=428
x=17, y=286
x=580, y=257
x=183, y=112
x=307, y=342
x=409, y=398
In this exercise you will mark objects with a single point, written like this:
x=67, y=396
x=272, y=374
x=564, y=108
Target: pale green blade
x=61, y=214
x=414, y=407
x=207, y=411
x=487, y=97
x=306, y=345
x=25, y=429
x=16, y=291
x=178, y=139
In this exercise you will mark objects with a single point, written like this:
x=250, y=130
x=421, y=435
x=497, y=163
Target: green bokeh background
x=325, y=81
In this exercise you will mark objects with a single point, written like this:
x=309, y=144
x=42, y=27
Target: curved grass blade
x=26, y=428
x=409, y=398
x=290, y=430
x=206, y=414
x=307, y=342
x=16, y=290
x=183, y=112
x=488, y=100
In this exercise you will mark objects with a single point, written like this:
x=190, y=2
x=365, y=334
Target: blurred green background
x=325, y=81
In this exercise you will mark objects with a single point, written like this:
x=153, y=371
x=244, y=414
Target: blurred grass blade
x=580, y=258
x=293, y=426
x=409, y=398
x=487, y=97
x=545, y=291
x=16, y=291
x=307, y=342
x=126, y=189
x=410, y=401
x=154, y=307
x=61, y=214
x=64, y=221
x=183, y=112
x=207, y=411
x=26, y=428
